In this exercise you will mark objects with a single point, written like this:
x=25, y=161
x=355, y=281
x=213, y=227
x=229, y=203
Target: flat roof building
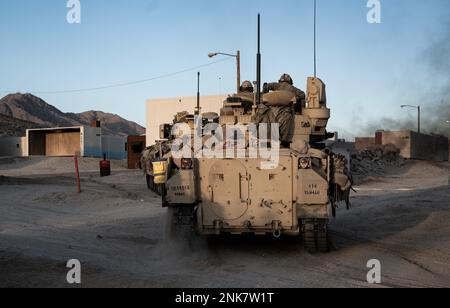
x=84, y=141
x=162, y=111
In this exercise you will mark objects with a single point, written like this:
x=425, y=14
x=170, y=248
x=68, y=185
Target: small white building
x=84, y=141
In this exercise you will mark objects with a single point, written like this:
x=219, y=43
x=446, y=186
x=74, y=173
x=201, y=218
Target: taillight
x=304, y=163
x=187, y=163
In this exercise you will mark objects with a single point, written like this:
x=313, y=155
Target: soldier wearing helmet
x=247, y=87
x=245, y=96
x=287, y=84
x=286, y=78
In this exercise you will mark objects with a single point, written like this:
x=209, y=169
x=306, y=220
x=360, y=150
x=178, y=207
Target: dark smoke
x=437, y=56
x=435, y=102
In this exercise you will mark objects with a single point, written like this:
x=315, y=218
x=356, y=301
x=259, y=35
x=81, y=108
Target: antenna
x=315, y=38
x=258, y=64
x=197, y=110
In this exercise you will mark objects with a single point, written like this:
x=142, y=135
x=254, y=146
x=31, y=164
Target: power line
x=124, y=84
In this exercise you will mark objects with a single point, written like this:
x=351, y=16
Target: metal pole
x=197, y=110
x=258, y=64
x=315, y=38
x=77, y=173
x=419, y=120
x=238, y=59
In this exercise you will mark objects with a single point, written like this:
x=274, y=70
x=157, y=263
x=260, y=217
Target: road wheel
x=323, y=243
x=315, y=235
x=309, y=237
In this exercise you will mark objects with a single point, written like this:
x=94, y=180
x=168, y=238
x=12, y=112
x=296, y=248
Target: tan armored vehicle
x=294, y=195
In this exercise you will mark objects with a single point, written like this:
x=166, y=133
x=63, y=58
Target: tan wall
x=418, y=146
x=161, y=111
x=402, y=140
x=362, y=144
x=62, y=144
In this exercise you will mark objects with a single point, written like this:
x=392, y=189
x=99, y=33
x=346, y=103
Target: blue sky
x=369, y=69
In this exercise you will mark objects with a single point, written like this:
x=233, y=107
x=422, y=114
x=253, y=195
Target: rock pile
x=375, y=161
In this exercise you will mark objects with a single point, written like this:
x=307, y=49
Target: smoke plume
x=434, y=97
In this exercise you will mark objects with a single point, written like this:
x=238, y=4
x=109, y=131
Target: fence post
x=77, y=173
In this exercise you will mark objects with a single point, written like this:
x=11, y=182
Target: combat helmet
x=247, y=86
x=286, y=78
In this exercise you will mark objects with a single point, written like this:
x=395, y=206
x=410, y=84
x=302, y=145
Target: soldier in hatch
x=247, y=87
x=246, y=95
x=287, y=84
x=247, y=91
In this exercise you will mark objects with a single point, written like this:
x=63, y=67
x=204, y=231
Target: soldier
x=246, y=94
x=247, y=87
x=287, y=84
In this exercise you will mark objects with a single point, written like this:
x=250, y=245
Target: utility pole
x=238, y=65
x=238, y=74
x=419, y=129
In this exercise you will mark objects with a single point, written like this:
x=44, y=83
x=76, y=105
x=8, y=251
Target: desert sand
x=115, y=227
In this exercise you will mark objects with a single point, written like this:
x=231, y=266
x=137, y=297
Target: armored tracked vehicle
x=294, y=192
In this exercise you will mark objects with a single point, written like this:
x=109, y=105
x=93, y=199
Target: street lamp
x=418, y=114
x=238, y=64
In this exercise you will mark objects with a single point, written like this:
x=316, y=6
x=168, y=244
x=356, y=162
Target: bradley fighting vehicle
x=295, y=197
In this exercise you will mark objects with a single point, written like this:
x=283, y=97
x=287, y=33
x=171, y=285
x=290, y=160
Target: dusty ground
x=115, y=228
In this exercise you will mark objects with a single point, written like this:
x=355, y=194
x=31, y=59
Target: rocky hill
x=10, y=127
x=112, y=122
x=25, y=110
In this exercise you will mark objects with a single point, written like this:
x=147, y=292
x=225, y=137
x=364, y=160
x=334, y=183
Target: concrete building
x=412, y=145
x=114, y=147
x=161, y=111
x=13, y=146
x=84, y=141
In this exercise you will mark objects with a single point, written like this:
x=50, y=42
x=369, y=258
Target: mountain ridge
x=32, y=109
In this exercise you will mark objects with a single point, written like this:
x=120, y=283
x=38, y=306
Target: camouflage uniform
x=285, y=116
x=286, y=84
